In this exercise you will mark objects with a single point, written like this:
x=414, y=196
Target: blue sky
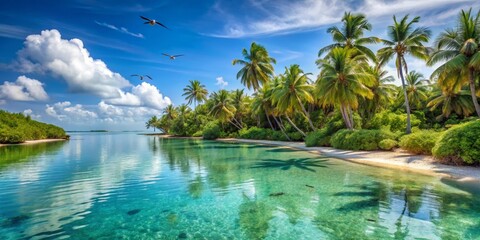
x=69, y=62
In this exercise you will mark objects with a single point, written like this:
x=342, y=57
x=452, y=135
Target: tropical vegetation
x=18, y=128
x=352, y=103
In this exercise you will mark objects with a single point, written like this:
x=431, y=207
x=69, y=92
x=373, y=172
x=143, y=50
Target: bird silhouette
x=141, y=76
x=172, y=57
x=152, y=22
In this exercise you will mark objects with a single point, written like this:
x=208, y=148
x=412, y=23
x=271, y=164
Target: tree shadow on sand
x=301, y=163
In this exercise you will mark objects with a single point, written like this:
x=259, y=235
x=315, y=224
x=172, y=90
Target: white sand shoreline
x=399, y=160
x=28, y=142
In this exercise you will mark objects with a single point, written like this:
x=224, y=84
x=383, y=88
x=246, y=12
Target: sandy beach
x=400, y=160
x=33, y=142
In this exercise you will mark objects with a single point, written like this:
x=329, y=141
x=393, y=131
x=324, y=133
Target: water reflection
x=389, y=205
x=254, y=217
x=301, y=163
x=149, y=187
x=17, y=154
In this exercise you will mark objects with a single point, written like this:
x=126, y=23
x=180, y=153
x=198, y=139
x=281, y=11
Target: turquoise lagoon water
x=127, y=186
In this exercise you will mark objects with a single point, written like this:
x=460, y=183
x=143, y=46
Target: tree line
x=17, y=128
x=352, y=85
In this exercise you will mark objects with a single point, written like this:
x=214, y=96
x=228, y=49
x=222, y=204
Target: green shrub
x=394, y=121
x=261, y=134
x=211, y=131
x=460, y=144
x=254, y=133
x=295, y=136
x=387, y=144
x=362, y=139
x=197, y=134
x=420, y=142
x=278, y=136
x=319, y=138
x=8, y=136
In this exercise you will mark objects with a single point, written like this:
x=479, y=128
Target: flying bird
x=141, y=76
x=152, y=22
x=172, y=57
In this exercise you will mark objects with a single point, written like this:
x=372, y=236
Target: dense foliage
x=460, y=144
x=387, y=144
x=211, y=131
x=319, y=138
x=360, y=139
x=420, y=142
x=351, y=91
x=17, y=128
x=261, y=133
x=395, y=122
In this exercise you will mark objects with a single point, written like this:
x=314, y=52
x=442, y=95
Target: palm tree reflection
x=300, y=163
x=254, y=218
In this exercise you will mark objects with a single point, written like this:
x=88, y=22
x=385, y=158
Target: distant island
x=18, y=128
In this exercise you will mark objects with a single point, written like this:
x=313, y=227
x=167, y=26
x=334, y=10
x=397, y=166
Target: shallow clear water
x=127, y=186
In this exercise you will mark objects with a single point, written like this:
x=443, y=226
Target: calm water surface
x=127, y=186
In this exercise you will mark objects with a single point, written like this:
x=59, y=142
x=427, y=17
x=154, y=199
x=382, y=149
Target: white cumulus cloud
x=122, y=114
x=221, y=82
x=23, y=89
x=29, y=112
x=144, y=94
x=65, y=110
x=71, y=61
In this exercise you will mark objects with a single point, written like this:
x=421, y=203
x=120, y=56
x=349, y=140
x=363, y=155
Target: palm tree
x=152, y=123
x=170, y=112
x=277, y=113
x=342, y=81
x=417, y=88
x=404, y=40
x=460, y=48
x=257, y=67
x=350, y=35
x=223, y=108
x=382, y=89
x=183, y=110
x=195, y=92
x=262, y=103
x=451, y=101
x=293, y=91
x=239, y=101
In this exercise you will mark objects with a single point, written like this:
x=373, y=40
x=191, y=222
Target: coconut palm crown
x=257, y=67
x=350, y=35
x=459, y=48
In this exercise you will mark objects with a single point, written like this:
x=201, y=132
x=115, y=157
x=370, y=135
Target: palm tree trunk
x=268, y=119
x=306, y=114
x=230, y=121
x=346, y=119
x=281, y=128
x=295, y=126
x=239, y=124
x=350, y=114
x=473, y=92
x=407, y=104
x=194, y=110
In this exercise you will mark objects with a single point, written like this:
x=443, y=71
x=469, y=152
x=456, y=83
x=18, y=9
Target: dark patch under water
x=15, y=221
x=133, y=212
x=182, y=235
x=276, y=194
